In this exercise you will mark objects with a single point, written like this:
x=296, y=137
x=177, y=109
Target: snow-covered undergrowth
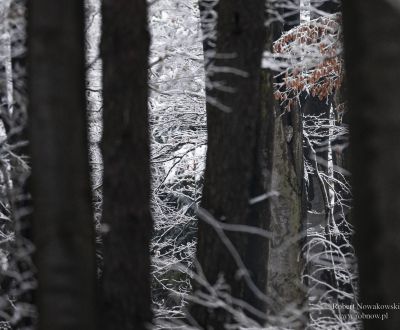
x=178, y=143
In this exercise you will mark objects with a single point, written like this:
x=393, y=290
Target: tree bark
x=237, y=160
x=372, y=52
x=288, y=208
x=288, y=213
x=63, y=222
x=126, y=155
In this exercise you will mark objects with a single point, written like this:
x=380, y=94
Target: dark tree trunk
x=126, y=156
x=63, y=222
x=237, y=160
x=372, y=52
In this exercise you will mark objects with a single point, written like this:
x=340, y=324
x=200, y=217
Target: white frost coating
x=178, y=147
x=94, y=102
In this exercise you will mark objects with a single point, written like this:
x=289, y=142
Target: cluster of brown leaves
x=315, y=64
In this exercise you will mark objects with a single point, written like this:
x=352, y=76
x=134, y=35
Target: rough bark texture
x=288, y=213
x=288, y=209
x=126, y=156
x=63, y=222
x=372, y=52
x=237, y=159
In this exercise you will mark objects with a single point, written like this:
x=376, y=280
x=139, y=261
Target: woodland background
x=201, y=164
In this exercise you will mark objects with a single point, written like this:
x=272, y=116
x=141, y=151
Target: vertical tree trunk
x=288, y=212
x=237, y=160
x=372, y=52
x=288, y=208
x=63, y=222
x=126, y=155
